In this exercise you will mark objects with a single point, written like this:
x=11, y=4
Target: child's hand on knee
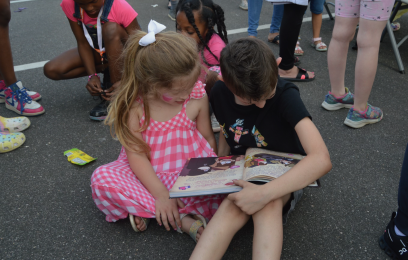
x=250, y=199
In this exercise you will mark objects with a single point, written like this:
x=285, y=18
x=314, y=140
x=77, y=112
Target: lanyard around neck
x=101, y=49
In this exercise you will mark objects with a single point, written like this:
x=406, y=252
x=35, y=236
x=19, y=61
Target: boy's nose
x=260, y=104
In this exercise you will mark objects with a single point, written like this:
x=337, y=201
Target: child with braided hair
x=196, y=19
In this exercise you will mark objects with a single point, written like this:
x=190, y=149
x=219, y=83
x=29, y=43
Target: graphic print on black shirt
x=271, y=127
x=238, y=129
x=259, y=139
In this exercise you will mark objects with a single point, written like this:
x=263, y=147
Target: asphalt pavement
x=46, y=208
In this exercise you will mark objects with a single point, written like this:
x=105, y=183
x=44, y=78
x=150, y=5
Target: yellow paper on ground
x=78, y=157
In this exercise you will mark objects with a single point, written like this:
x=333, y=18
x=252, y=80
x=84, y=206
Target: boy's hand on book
x=250, y=199
x=167, y=212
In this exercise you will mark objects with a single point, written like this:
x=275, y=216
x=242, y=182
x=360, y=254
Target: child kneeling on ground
x=253, y=100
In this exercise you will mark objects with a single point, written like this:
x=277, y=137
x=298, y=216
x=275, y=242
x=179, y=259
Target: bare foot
x=251, y=36
x=186, y=223
x=298, y=49
x=292, y=73
x=272, y=36
x=140, y=224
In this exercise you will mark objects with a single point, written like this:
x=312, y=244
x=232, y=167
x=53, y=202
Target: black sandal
x=275, y=40
x=301, y=76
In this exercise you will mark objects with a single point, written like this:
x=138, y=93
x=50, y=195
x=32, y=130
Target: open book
x=215, y=175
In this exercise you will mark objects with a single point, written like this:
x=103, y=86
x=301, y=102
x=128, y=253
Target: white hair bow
x=153, y=29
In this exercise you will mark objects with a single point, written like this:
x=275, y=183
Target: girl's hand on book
x=167, y=211
x=250, y=199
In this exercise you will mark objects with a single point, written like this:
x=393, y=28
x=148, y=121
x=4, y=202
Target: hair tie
x=153, y=29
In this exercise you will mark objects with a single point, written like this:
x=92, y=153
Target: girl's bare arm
x=139, y=163
x=204, y=123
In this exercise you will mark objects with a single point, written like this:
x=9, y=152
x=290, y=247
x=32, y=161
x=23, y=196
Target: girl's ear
x=219, y=77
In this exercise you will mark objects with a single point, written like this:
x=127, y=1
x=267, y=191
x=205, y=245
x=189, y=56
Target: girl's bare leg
x=268, y=230
x=6, y=58
x=115, y=37
x=343, y=33
x=69, y=65
x=317, y=24
x=216, y=238
x=368, y=40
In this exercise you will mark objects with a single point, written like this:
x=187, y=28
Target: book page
x=209, y=173
x=268, y=165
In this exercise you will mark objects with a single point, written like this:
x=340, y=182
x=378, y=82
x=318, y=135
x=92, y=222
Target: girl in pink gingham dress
x=116, y=188
x=117, y=191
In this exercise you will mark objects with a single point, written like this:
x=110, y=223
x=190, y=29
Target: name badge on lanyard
x=101, y=49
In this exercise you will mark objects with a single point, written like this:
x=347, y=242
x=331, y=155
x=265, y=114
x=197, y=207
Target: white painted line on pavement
x=266, y=26
x=19, y=1
x=40, y=64
x=30, y=66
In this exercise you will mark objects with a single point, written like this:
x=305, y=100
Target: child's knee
x=111, y=32
x=5, y=15
x=229, y=207
x=50, y=71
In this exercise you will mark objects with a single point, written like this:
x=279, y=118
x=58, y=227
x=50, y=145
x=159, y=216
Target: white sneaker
x=244, y=5
x=214, y=124
x=18, y=100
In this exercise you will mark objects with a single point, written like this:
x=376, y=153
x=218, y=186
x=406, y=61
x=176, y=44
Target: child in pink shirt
x=196, y=19
x=101, y=28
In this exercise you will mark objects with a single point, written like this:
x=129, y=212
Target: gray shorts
x=290, y=205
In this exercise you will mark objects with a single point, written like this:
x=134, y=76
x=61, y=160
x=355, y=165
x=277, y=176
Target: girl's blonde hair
x=145, y=69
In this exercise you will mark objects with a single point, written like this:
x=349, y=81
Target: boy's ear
x=278, y=60
x=219, y=77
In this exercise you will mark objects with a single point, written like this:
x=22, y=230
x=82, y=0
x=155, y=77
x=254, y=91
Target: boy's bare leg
x=6, y=58
x=268, y=230
x=219, y=232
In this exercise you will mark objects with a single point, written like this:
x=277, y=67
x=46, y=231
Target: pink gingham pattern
x=115, y=188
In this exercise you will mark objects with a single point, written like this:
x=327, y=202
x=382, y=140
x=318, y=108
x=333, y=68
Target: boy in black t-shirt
x=256, y=109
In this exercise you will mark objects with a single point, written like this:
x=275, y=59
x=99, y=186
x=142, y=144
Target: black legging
x=402, y=217
x=289, y=32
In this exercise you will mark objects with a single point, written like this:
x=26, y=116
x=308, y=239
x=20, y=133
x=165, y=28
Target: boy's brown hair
x=249, y=68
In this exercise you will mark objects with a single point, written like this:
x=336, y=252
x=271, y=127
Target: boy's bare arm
x=316, y=164
x=223, y=147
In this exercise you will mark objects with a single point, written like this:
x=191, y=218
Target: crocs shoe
x=33, y=95
x=11, y=141
x=332, y=102
x=357, y=119
x=15, y=124
x=18, y=100
x=393, y=245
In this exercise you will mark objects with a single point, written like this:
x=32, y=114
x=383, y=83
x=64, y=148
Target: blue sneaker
x=357, y=119
x=333, y=103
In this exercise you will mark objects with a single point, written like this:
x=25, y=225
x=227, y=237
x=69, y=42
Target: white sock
x=398, y=232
